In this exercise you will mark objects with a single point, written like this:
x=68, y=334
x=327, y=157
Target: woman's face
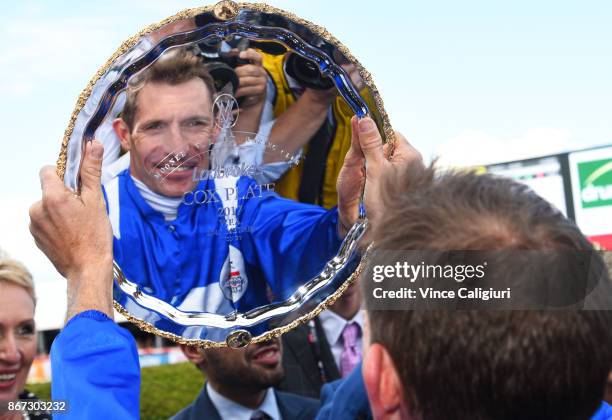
x=17, y=339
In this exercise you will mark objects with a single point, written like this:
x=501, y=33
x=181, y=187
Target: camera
x=307, y=73
x=221, y=59
x=220, y=63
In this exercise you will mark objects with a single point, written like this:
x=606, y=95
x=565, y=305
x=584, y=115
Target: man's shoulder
x=201, y=407
x=345, y=398
x=297, y=399
x=184, y=414
x=295, y=406
x=191, y=412
x=116, y=182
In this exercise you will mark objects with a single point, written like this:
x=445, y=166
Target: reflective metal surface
x=221, y=196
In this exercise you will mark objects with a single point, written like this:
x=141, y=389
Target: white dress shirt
x=229, y=409
x=333, y=325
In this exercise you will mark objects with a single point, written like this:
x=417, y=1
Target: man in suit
x=325, y=349
x=240, y=385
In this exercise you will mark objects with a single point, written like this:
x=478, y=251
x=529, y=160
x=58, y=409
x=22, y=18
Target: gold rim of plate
x=226, y=10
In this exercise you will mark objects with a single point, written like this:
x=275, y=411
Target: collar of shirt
x=333, y=325
x=229, y=409
x=165, y=205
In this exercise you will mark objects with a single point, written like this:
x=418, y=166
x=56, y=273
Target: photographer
x=310, y=118
x=251, y=89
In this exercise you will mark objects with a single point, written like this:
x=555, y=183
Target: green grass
x=42, y=391
x=167, y=389
x=164, y=389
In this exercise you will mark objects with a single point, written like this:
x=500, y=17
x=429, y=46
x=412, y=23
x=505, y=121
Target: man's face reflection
x=171, y=135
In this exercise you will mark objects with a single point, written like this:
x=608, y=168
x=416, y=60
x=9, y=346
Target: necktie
x=351, y=353
x=260, y=415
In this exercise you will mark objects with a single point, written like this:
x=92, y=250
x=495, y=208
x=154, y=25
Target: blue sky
x=472, y=81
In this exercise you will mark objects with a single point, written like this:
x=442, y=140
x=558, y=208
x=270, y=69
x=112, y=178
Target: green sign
x=595, y=183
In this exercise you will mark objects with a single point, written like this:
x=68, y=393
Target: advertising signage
x=578, y=183
x=546, y=176
x=595, y=182
x=591, y=181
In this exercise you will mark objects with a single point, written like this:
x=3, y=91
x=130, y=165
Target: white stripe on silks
x=234, y=283
x=238, y=279
x=224, y=184
x=206, y=299
x=112, y=196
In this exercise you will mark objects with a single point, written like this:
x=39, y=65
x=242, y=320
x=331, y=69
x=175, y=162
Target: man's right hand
x=75, y=234
x=253, y=79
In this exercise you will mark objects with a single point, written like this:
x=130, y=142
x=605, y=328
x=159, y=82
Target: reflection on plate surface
x=223, y=141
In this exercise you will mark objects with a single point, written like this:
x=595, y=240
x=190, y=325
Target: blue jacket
x=277, y=246
x=95, y=369
x=345, y=399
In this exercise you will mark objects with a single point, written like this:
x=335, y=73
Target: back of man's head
x=477, y=364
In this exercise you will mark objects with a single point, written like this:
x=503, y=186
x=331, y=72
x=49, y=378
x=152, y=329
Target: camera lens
x=307, y=73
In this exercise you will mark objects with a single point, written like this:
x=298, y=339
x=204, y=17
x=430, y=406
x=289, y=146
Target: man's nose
x=176, y=140
x=9, y=351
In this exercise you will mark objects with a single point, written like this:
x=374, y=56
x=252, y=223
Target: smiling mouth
x=177, y=164
x=167, y=169
x=269, y=355
x=7, y=377
x=7, y=380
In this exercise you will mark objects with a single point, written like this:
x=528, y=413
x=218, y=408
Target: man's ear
x=193, y=353
x=123, y=132
x=384, y=388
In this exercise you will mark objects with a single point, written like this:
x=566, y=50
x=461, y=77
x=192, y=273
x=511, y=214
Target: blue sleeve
x=291, y=241
x=604, y=412
x=345, y=399
x=95, y=369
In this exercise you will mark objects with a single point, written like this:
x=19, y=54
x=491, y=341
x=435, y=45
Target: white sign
x=541, y=175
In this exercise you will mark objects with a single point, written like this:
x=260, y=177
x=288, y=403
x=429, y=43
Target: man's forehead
x=190, y=96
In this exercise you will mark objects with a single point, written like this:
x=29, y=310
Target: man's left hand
x=367, y=151
x=75, y=234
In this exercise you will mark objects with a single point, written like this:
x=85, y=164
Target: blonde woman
x=17, y=339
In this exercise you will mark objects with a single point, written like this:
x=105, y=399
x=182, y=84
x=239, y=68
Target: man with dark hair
x=477, y=364
x=240, y=385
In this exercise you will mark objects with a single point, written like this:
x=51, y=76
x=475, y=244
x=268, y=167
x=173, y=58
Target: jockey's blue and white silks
x=194, y=264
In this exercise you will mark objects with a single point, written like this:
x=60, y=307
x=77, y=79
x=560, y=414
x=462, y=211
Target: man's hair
x=173, y=68
x=13, y=272
x=493, y=364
